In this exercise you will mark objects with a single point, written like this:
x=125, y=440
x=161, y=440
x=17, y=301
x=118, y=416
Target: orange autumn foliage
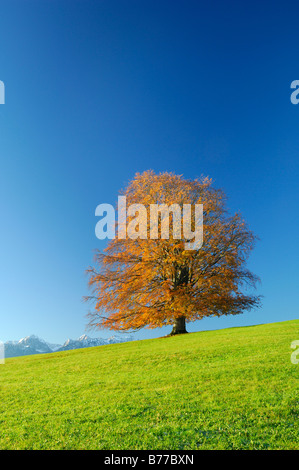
x=154, y=282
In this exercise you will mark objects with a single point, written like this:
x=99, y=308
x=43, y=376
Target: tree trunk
x=179, y=326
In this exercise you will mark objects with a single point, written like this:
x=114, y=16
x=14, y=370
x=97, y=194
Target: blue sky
x=98, y=90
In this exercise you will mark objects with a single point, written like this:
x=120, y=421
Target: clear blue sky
x=98, y=90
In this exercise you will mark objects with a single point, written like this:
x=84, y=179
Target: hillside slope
x=226, y=389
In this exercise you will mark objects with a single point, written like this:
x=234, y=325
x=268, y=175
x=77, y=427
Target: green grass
x=226, y=389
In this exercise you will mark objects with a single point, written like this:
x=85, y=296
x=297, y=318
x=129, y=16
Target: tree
x=151, y=282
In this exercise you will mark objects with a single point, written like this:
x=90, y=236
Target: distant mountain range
x=34, y=345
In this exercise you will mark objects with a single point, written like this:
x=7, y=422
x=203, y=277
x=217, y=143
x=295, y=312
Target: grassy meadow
x=227, y=389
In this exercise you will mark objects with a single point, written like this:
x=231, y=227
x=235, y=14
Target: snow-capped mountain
x=34, y=345
x=26, y=346
x=83, y=342
x=86, y=342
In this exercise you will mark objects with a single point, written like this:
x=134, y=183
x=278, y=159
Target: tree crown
x=146, y=282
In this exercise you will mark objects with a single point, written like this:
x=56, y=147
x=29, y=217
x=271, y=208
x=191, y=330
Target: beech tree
x=151, y=282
